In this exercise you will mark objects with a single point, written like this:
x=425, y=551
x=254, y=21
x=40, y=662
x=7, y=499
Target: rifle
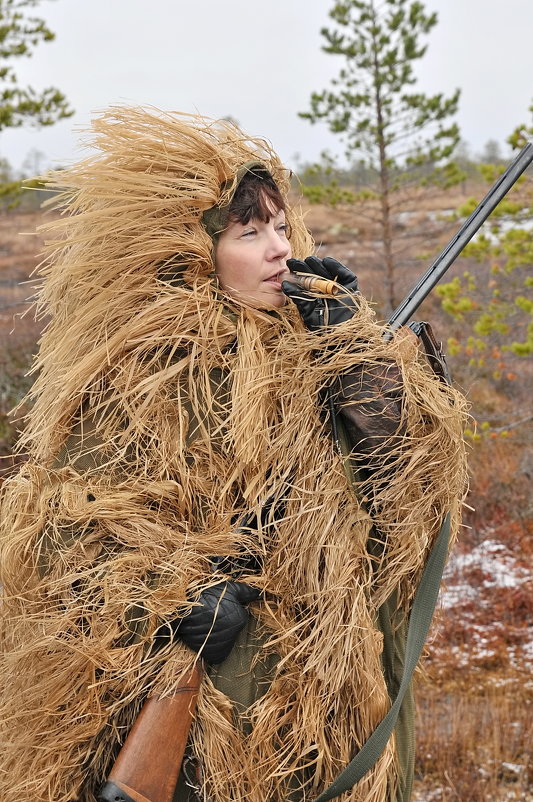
x=148, y=765
x=449, y=254
x=149, y=762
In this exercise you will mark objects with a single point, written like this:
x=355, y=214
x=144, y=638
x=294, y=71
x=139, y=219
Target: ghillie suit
x=163, y=412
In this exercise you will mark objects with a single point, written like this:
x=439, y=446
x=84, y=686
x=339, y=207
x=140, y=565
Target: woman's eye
x=283, y=227
x=248, y=232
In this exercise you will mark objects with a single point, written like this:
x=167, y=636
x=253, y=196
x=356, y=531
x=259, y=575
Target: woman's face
x=250, y=260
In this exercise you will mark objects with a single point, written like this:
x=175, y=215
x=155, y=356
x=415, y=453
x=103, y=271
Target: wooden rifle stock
x=148, y=765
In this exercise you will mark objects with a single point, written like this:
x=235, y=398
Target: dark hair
x=256, y=196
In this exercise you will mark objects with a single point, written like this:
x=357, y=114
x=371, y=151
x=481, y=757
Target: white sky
x=259, y=61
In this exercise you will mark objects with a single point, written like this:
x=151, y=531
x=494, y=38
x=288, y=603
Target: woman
x=186, y=488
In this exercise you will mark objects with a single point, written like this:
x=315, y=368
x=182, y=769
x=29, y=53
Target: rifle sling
x=419, y=622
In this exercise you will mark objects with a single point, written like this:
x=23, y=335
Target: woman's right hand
x=318, y=311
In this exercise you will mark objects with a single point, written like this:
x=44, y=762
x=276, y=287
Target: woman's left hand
x=318, y=310
x=212, y=624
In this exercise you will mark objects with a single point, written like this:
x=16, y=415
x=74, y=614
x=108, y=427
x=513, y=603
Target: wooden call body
x=148, y=765
x=315, y=283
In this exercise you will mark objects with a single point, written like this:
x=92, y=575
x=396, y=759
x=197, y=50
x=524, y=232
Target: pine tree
x=395, y=132
x=19, y=35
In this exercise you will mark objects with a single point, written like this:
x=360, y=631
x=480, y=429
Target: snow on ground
x=496, y=563
x=485, y=619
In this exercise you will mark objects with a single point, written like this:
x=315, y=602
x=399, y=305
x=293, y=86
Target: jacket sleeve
x=370, y=400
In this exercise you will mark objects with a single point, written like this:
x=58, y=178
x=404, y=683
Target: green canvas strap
x=419, y=622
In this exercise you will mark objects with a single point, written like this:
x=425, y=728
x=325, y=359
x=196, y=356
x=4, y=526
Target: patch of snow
x=452, y=595
x=497, y=565
x=514, y=768
x=527, y=649
x=496, y=231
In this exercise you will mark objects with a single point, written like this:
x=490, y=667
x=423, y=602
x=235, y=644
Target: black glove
x=318, y=311
x=213, y=623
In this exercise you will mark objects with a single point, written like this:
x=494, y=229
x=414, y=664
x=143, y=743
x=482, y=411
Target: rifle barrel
x=452, y=250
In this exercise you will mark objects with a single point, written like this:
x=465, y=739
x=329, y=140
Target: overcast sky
x=259, y=61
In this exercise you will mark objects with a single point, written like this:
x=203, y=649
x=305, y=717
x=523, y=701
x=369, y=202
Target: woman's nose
x=279, y=246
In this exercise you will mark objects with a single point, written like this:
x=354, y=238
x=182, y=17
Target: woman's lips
x=277, y=278
x=274, y=283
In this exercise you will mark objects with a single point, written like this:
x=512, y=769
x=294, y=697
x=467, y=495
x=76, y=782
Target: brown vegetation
x=19, y=331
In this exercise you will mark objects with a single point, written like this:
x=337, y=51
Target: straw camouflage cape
x=162, y=413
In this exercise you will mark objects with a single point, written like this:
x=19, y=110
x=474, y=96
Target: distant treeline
x=358, y=174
